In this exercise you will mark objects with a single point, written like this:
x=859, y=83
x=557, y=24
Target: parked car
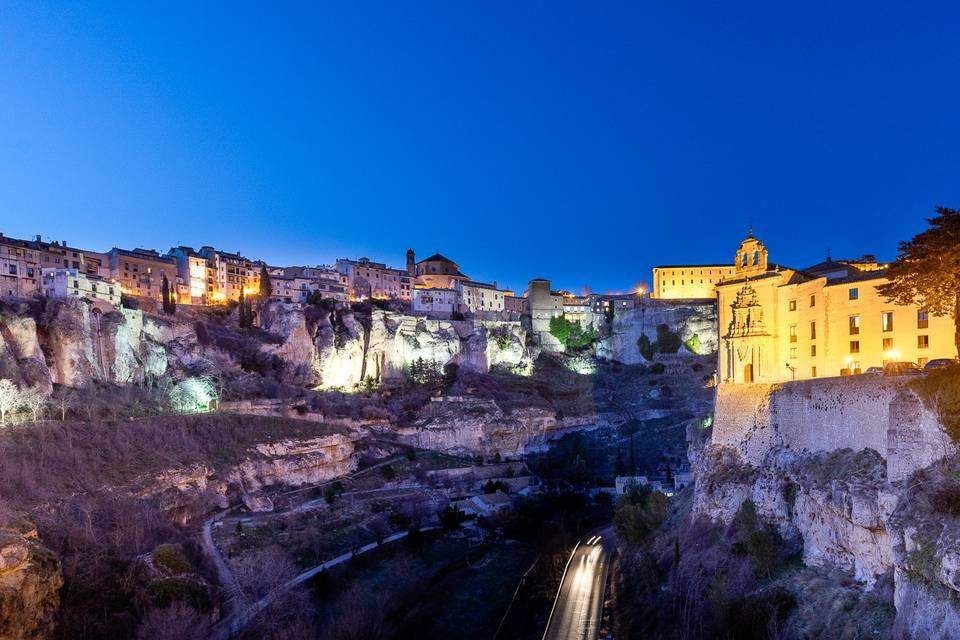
x=939, y=363
x=873, y=371
x=901, y=369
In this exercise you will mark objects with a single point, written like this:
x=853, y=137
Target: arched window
x=745, y=259
x=756, y=258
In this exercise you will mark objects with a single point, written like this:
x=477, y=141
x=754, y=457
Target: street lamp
x=793, y=371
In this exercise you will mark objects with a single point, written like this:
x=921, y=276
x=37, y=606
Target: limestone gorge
x=859, y=471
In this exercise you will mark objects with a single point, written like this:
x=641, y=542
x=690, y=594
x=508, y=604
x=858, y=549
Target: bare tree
x=11, y=399
x=176, y=622
x=35, y=401
x=64, y=398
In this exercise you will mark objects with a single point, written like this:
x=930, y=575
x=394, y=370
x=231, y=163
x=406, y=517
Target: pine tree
x=165, y=293
x=243, y=319
x=927, y=270
x=266, y=287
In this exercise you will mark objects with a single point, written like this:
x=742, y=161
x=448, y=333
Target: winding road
x=579, y=605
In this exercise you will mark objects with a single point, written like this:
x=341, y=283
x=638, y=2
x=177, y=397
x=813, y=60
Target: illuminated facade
x=779, y=324
x=22, y=263
x=434, y=301
x=368, y=279
x=75, y=283
x=685, y=282
x=478, y=297
x=437, y=271
x=140, y=272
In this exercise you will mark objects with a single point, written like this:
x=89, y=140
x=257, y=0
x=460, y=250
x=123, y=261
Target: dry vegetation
x=65, y=476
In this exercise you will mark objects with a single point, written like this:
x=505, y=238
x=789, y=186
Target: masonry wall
x=857, y=412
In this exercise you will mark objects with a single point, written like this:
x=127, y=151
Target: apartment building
x=75, y=283
x=140, y=272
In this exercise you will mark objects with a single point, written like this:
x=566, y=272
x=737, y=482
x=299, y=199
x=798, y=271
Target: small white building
x=434, y=300
x=291, y=288
x=479, y=297
x=625, y=484
x=682, y=479
x=485, y=504
x=74, y=283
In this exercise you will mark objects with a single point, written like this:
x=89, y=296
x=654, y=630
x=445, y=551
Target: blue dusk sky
x=582, y=142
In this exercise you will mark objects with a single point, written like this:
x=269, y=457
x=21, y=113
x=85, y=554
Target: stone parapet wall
x=811, y=416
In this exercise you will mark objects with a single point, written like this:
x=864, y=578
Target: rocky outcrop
x=186, y=493
x=21, y=358
x=296, y=462
x=339, y=349
x=30, y=581
x=859, y=471
x=467, y=426
x=85, y=343
x=695, y=322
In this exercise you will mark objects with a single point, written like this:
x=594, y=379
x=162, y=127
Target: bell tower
x=751, y=257
x=411, y=263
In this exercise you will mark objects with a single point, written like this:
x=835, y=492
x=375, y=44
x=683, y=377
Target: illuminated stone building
x=687, y=282
x=479, y=297
x=22, y=262
x=778, y=323
x=76, y=283
x=513, y=304
x=368, y=279
x=140, y=271
x=440, y=302
x=232, y=273
x=437, y=271
x=20, y=269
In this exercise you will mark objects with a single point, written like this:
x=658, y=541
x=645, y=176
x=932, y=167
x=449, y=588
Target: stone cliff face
x=21, y=358
x=189, y=492
x=30, y=581
x=846, y=467
x=619, y=340
x=480, y=427
x=339, y=349
x=74, y=344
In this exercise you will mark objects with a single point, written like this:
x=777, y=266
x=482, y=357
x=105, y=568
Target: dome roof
x=437, y=258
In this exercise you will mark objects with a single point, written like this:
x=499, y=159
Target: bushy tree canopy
x=927, y=269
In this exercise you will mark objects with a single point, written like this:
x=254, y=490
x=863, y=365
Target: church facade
x=778, y=324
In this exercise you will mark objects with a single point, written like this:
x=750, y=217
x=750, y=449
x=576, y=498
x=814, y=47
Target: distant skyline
x=520, y=139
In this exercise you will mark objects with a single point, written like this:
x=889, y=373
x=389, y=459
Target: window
x=886, y=320
x=793, y=352
x=923, y=342
x=923, y=319
x=887, y=344
x=813, y=330
x=813, y=372
x=854, y=293
x=854, y=325
x=813, y=301
x=793, y=305
x=813, y=350
x=854, y=346
x=793, y=333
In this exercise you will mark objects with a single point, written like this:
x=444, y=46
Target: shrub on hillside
x=667, y=340
x=170, y=558
x=939, y=390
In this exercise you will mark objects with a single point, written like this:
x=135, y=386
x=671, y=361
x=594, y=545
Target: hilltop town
x=280, y=427
x=774, y=322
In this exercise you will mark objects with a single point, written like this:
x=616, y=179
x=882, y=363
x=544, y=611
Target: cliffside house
x=74, y=283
